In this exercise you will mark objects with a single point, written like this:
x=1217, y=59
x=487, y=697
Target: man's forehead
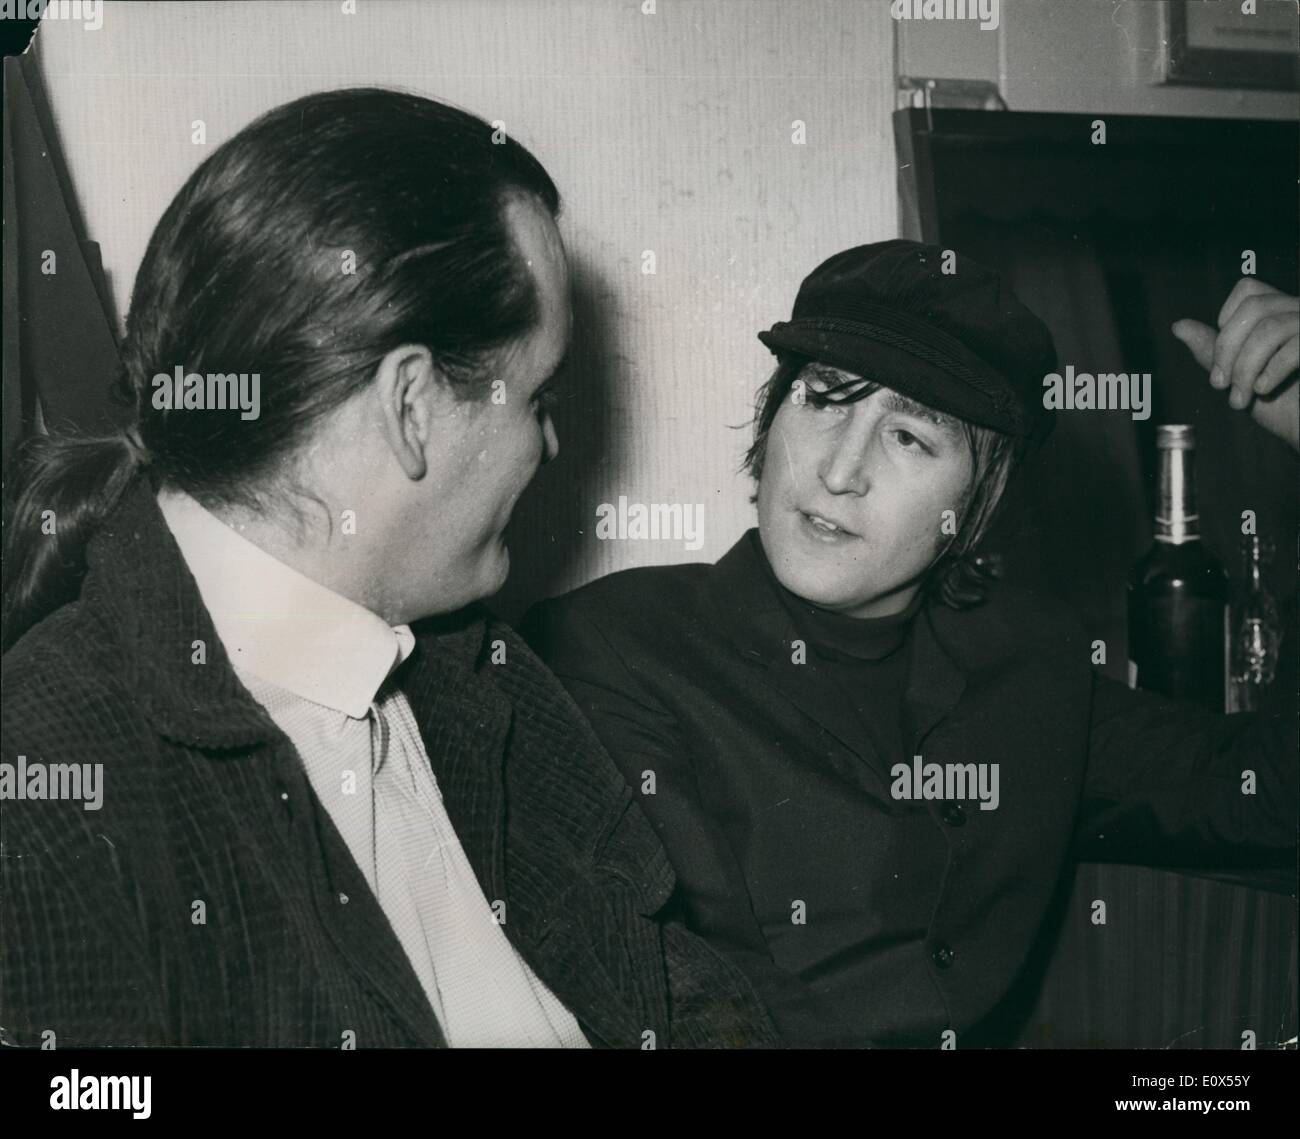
x=536, y=356
x=893, y=399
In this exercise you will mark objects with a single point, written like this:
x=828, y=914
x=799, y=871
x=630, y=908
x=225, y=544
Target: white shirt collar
x=280, y=625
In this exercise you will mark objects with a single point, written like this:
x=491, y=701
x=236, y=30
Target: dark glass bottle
x=1178, y=592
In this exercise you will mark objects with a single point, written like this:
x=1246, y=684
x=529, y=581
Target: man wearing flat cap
x=869, y=760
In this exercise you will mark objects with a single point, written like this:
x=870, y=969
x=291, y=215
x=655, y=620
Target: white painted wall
x=668, y=132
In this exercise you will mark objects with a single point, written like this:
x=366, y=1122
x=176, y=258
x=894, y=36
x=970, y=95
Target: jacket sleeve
x=74, y=966
x=645, y=742
x=1170, y=784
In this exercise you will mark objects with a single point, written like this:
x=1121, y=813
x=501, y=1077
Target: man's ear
x=412, y=393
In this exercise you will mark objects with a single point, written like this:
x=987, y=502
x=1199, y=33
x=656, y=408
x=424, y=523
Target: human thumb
x=1199, y=338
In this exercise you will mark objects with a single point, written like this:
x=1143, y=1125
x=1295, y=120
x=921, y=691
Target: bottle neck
x=1176, y=519
x=1252, y=557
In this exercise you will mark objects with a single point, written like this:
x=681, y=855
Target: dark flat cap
x=957, y=341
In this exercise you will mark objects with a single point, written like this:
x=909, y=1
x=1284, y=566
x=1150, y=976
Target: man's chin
x=811, y=585
x=480, y=580
x=826, y=590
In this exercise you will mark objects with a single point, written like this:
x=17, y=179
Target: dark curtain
x=60, y=351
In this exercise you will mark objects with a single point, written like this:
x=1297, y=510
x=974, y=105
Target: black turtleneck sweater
x=868, y=656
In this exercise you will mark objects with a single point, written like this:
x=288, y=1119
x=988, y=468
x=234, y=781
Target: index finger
x=1246, y=287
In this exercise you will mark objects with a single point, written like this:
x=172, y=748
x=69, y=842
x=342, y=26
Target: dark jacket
x=749, y=764
x=206, y=801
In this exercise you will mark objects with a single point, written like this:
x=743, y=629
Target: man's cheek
x=899, y=548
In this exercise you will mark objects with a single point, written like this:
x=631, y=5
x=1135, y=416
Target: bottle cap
x=1175, y=437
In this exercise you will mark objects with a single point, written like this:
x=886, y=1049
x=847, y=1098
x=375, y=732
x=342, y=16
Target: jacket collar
x=946, y=646
x=138, y=585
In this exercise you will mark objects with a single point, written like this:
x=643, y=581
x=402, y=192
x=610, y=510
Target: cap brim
x=984, y=399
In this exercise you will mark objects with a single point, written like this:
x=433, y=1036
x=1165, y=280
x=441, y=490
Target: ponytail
x=60, y=489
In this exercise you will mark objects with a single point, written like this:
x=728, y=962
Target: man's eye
x=908, y=441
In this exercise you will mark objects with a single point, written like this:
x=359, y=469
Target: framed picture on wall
x=1231, y=43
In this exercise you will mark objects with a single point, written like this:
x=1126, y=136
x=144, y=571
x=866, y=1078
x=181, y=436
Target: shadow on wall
x=555, y=516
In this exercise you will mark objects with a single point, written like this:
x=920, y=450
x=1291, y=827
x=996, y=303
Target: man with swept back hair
x=789, y=700
x=341, y=805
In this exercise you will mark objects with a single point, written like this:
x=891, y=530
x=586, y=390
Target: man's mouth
x=826, y=528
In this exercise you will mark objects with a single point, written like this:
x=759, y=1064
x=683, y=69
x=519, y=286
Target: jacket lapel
x=464, y=723
x=935, y=683
x=360, y=930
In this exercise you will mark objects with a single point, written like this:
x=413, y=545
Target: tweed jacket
x=209, y=900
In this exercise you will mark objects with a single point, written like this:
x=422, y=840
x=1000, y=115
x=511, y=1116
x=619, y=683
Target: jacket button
x=942, y=955
x=343, y=899
x=954, y=814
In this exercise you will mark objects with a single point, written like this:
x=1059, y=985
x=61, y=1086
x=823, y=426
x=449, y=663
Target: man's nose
x=843, y=467
x=550, y=438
